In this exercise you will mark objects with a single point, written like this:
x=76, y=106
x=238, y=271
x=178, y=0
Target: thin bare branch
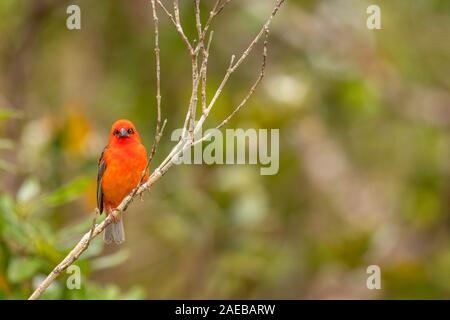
x=150, y=158
x=194, y=98
x=254, y=86
x=198, y=21
x=175, y=18
x=233, y=66
x=180, y=28
x=217, y=9
x=204, y=71
x=159, y=130
x=249, y=93
x=158, y=69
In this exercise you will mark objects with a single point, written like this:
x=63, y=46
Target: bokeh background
x=364, y=121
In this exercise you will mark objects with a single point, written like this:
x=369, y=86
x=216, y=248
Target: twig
x=175, y=18
x=218, y=7
x=249, y=93
x=159, y=130
x=158, y=70
x=233, y=66
x=255, y=85
x=203, y=71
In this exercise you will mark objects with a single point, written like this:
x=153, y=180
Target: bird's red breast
x=120, y=165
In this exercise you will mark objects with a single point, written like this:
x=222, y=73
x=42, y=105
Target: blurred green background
x=364, y=152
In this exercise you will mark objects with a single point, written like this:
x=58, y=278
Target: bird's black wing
x=101, y=170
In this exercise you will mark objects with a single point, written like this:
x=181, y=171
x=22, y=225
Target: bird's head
x=123, y=131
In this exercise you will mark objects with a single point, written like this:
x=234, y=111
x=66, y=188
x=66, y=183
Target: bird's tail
x=114, y=232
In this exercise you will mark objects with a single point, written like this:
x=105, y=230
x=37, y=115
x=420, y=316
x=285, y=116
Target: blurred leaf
x=47, y=250
x=110, y=261
x=68, y=192
x=75, y=229
x=7, y=207
x=23, y=268
x=7, y=166
x=28, y=190
x=6, y=114
x=135, y=293
x=14, y=233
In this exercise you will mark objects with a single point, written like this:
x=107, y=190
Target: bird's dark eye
x=116, y=132
x=130, y=131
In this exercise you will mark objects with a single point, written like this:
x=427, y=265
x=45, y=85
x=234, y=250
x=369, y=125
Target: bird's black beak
x=123, y=133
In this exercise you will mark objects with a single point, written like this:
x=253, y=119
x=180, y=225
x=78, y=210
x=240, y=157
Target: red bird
x=120, y=168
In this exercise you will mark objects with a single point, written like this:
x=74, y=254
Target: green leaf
x=15, y=232
x=67, y=193
x=7, y=207
x=22, y=269
x=10, y=227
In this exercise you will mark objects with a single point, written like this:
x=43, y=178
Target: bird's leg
x=115, y=218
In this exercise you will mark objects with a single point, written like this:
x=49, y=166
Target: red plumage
x=120, y=168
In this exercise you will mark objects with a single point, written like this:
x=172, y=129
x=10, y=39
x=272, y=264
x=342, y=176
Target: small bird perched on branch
x=120, y=169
